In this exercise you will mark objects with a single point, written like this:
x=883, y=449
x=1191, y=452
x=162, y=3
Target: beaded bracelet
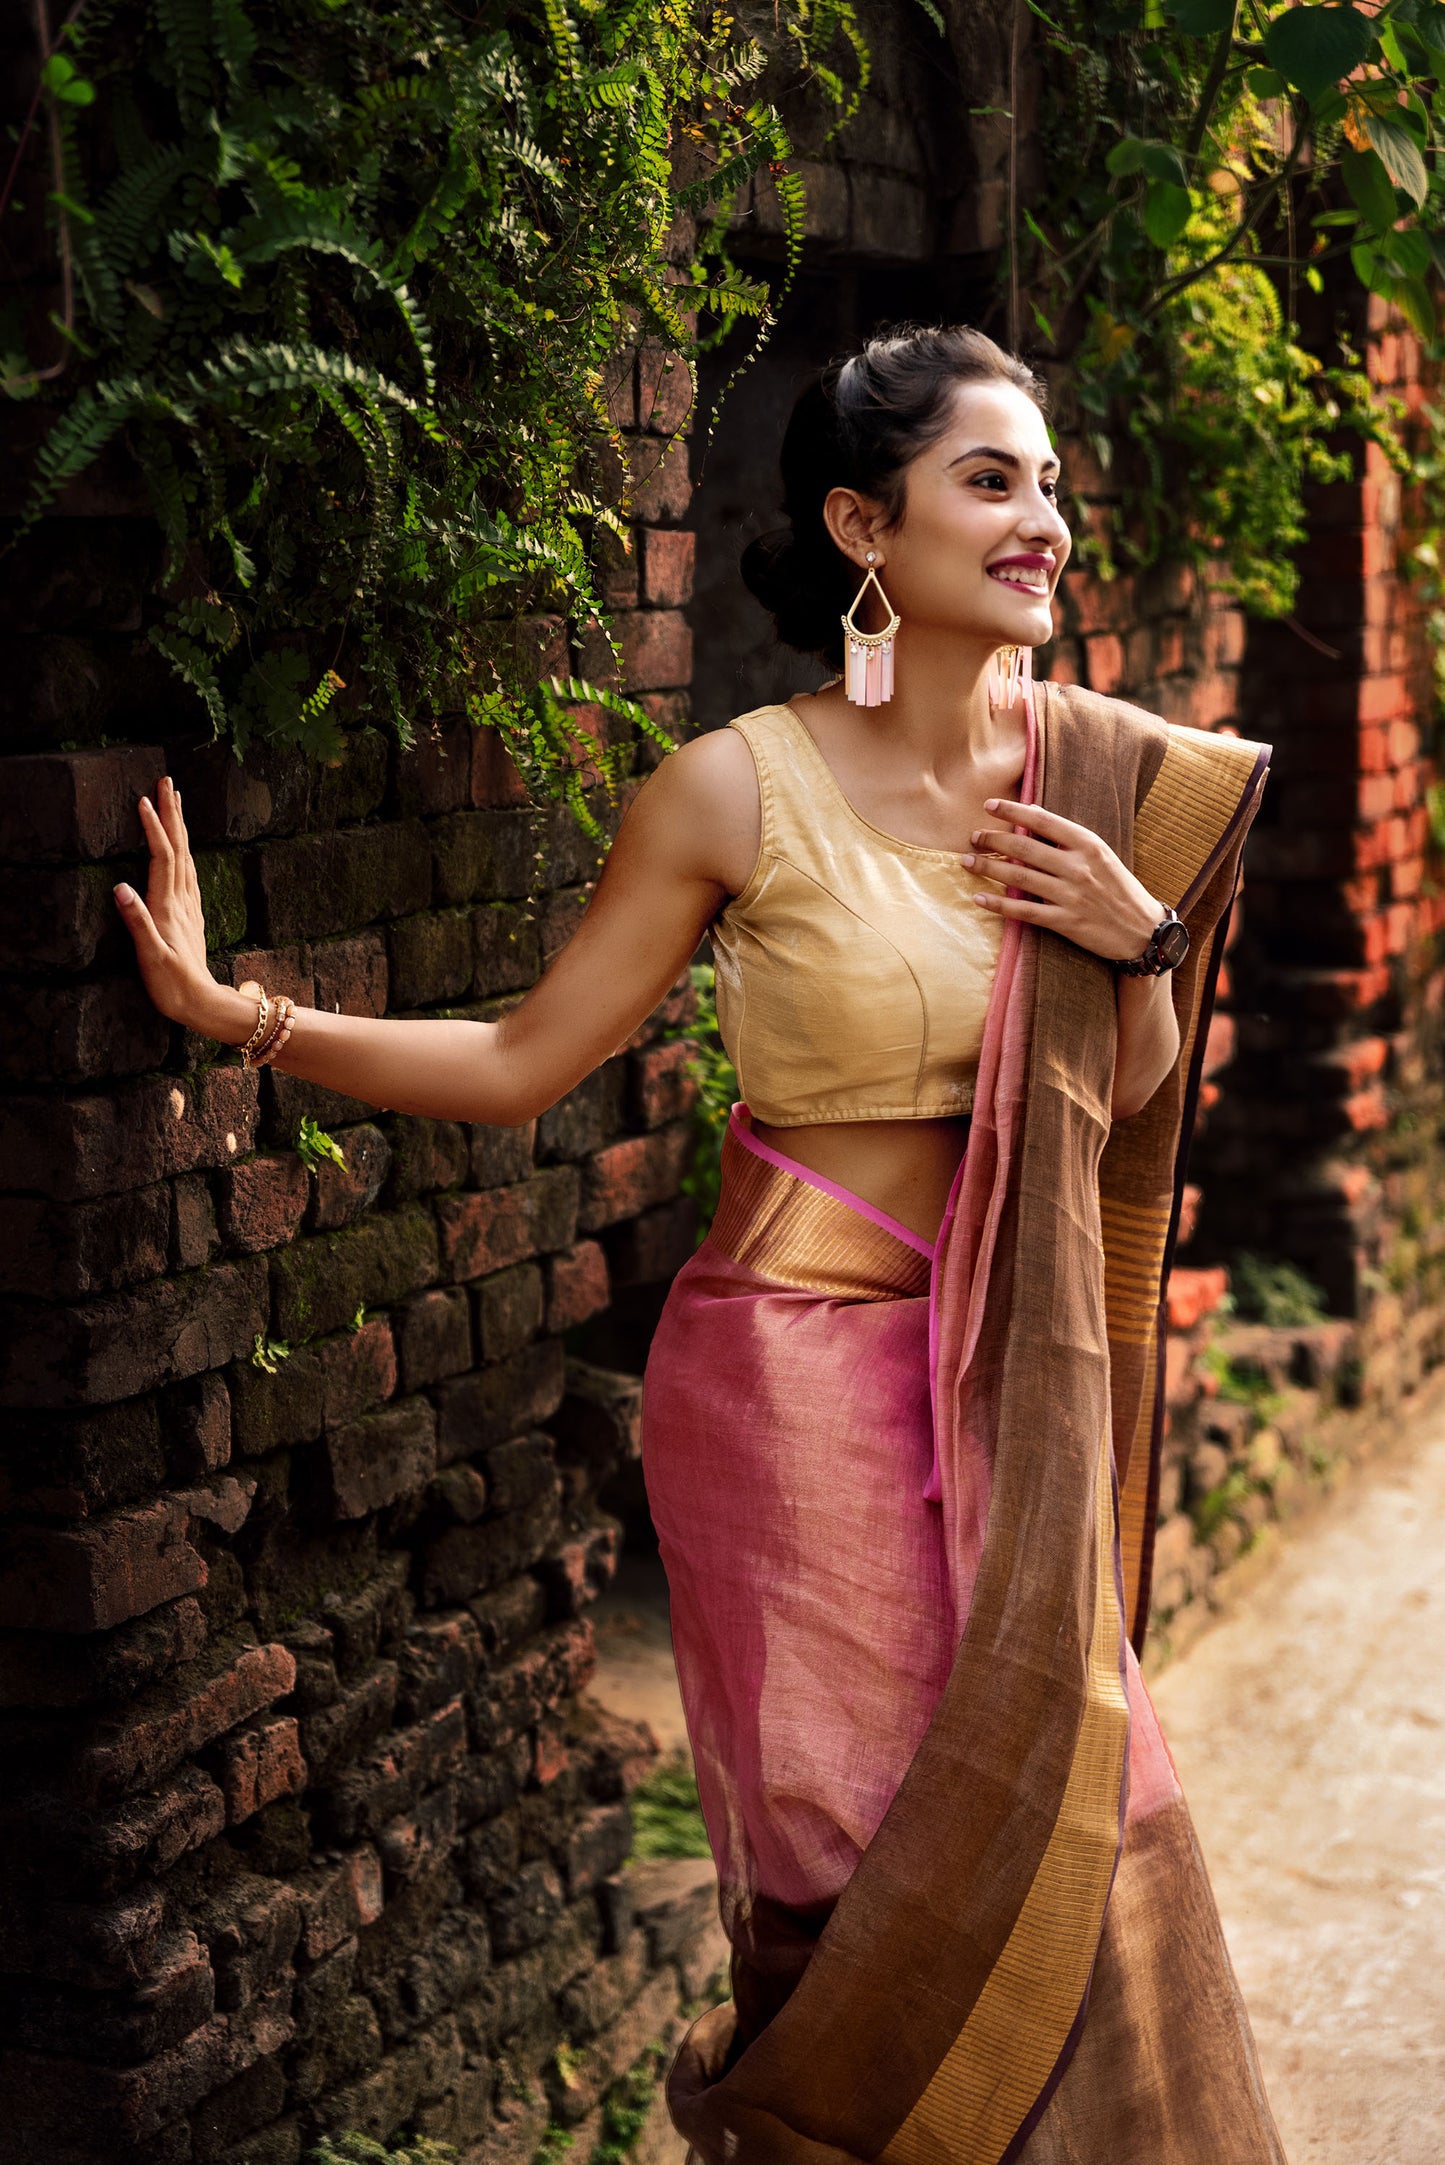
x=266, y=1052
x=258, y=1035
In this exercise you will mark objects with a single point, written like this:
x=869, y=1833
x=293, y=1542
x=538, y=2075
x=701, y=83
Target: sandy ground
x=1309, y=1730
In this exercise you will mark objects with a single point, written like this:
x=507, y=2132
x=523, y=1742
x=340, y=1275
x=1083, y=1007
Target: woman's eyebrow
x=1004, y=458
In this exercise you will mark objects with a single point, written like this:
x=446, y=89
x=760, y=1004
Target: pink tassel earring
x=1010, y=673
x=868, y=655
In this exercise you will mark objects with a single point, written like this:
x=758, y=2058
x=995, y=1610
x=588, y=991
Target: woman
x=902, y=1411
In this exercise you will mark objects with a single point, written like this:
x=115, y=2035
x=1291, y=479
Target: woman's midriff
x=903, y=1167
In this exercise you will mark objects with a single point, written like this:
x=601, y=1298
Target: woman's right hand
x=169, y=927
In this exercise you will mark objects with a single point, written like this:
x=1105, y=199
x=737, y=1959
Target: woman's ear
x=853, y=522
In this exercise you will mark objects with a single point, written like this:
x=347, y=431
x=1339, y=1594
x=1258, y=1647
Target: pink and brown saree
x=905, y=1499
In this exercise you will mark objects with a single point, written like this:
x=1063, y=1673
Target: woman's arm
x=1080, y=888
x=687, y=842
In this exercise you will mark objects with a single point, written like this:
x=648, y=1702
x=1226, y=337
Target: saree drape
x=904, y=1494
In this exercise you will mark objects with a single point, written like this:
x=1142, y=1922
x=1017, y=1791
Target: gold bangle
x=263, y=1011
x=268, y=1049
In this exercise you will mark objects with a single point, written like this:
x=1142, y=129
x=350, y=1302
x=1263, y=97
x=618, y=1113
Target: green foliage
x=352, y=2149
x=717, y=1083
x=313, y=1144
x=1207, y=160
x=268, y=1353
x=1239, y=1383
x=626, y=2107
x=356, y=286
x=1276, y=1293
x=666, y=1814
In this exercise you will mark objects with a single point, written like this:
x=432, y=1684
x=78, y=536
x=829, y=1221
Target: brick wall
x=308, y=1822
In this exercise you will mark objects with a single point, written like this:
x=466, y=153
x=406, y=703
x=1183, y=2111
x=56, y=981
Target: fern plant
x=358, y=286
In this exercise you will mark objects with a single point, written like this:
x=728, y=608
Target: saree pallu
x=903, y=1494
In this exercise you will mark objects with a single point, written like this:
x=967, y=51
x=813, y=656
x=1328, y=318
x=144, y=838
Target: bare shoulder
x=700, y=808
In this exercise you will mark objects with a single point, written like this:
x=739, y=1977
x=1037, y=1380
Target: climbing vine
x=1210, y=161
x=356, y=286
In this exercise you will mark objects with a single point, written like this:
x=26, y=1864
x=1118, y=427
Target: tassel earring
x=1010, y=673
x=868, y=655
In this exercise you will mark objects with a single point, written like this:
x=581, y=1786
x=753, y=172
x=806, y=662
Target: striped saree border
x=780, y=1225
x=996, y=2071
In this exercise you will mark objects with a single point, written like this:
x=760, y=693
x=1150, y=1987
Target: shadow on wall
x=739, y=662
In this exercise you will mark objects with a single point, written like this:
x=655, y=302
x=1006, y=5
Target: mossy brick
x=64, y=1251
x=195, y=1238
x=381, y=1457
x=496, y=1402
x=75, y=1465
x=95, y=1669
x=632, y=1176
x=315, y=884
x=434, y=1334
x=319, y=1284
x=334, y=1736
x=169, y=1725
x=128, y=1343
x=61, y=1033
x=351, y=975
x=432, y=958
x=426, y=1155
x=355, y=787
x=507, y=954
x=343, y=1192
x=484, y=1232
x=76, y=805
x=331, y=1381
x=577, y=1286
x=485, y=856
x=262, y=1201
x=433, y=774
x=288, y=1100
x=251, y=1925
x=509, y=1310
x=562, y=915
x=501, y=1155
x=91, y=1577
x=397, y=1772
x=222, y=884
x=587, y=1118
x=64, y=919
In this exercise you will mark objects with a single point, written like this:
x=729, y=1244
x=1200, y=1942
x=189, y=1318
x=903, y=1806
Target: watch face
x=1173, y=944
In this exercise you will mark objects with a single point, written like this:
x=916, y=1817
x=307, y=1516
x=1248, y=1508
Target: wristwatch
x=1165, y=949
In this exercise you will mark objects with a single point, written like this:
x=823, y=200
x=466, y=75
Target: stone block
x=76, y=805
x=577, y=1286
x=482, y=1233
x=311, y=885
x=152, y=1738
x=115, y=1348
x=262, y=1201
x=343, y=1192
x=373, y=1461
x=631, y=1176
x=435, y=1337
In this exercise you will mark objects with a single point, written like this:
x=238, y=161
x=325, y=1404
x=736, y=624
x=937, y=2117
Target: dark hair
x=857, y=427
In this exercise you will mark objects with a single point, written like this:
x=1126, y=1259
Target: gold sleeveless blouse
x=853, y=969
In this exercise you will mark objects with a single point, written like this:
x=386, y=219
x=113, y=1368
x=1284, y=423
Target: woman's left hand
x=1074, y=883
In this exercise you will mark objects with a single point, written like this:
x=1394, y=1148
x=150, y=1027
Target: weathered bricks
x=326, y=883
x=320, y=1283
x=90, y=1578
x=165, y=1728
x=631, y=1176
x=109, y=1349
x=375, y=1460
x=486, y=1232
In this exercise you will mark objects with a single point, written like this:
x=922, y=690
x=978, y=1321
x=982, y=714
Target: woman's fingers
x=1020, y=848
x=1051, y=825
x=150, y=947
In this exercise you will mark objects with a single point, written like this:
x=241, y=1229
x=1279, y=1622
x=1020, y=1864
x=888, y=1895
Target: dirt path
x=1309, y=1730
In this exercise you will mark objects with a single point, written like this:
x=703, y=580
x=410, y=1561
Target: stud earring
x=1010, y=673
x=868, y=655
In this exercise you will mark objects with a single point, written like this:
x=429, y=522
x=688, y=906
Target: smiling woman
x=965, y=948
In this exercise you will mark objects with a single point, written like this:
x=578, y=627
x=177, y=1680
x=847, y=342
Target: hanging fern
x=353, y=282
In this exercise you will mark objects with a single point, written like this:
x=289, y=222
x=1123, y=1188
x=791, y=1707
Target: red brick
x=495, y=1402
x=661, y=481
x=495, y=779
x=484, y=1233
x=343, y=1192
x=631, y=1176
x=260, y=1764
x=279, y=969
x=502, y=1155
x=262, y=1202
x=663, y=1085
x=375, y=1460
x=393, y=1777
x=94, y=1577
x=340, y=1901
x=434, y=772
x=73, y=1033
x=351, y=975
x=332, y=1736
x=1105, y=652
x=431, y=958
x=509, y=1310
x=121, y=1346
x=577, y=1286
x=654, y=1245
x=668, y=556
x=63, y=1251
x=195, y=1239
x=77, y=805
x=316, y=884
x=656, y=648
x=171, y=1725
x=664, y=391
x=435, y=1337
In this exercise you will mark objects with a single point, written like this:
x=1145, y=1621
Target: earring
x=868, y=655
x=1010, y=673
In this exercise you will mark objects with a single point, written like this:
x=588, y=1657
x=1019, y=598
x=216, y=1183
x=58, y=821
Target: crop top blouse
x=853, y=969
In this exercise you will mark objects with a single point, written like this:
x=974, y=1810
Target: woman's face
x=981, y=545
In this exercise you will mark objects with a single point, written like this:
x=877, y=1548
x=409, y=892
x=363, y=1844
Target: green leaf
x=1314, y=48
x=1400, y=156
x=1202, y=18
x=1141, y=154
x=1429, y=27
x=1166, y=212
x=1408, y=251
x=1265, y=82
x=1369, y=185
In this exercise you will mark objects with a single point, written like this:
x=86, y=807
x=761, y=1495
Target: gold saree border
x=781, y=1226
x=1009, y=2047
